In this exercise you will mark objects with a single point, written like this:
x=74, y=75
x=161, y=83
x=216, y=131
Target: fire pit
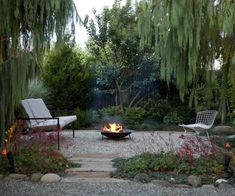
x=114, y=131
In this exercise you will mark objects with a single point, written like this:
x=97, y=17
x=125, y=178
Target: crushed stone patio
x=95, y=152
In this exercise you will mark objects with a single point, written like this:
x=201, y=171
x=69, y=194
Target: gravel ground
x=92, y=142
x=25, y=188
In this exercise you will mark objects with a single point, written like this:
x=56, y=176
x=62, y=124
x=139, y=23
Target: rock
x=220, y=181
x=142, y=177
x=220, y=130
x=172, y=180
x=162, y=183
x=1, y=176
x=208, y=186
x=50, y=178
x=17, y=176
x=195, y=181
x=224, y=185
x=35, y=177
x=182, y=186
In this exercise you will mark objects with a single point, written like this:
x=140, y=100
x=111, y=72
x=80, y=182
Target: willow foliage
x=190, y=35
x=26, y=30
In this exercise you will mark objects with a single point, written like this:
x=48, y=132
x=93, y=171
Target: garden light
x=228, y=145
x=4, y=152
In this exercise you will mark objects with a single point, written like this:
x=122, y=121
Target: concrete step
x=89, y=159
x=93, y=166
x=88, y=174
x=81, y=179
x=94, y=155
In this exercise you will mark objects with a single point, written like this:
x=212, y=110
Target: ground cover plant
x=33, y=153
x=192, y=158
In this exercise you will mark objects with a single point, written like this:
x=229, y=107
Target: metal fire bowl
x=117, y=135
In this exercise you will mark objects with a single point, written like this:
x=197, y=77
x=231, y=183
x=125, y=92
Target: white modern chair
x=39, y=117
x=204, y=121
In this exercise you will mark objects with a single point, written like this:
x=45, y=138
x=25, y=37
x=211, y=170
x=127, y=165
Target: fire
x=113, y=127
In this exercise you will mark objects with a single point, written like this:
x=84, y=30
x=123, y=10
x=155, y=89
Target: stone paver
x=95, y=167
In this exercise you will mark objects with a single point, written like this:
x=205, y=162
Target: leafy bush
x=111, y=114
x=35, y=155
x=82, y=118
x=44, y=160
x=173, y=118
x=68, y=78
x=139, y=163
x=110, y=111
x=134, y=116
x=4, y=168
x=156, y=108
x=93, y=116
x=36, y=89
x=147, y=126
x=167, y=162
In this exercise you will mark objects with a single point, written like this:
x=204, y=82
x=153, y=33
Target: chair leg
x=73, y=130
x=182, y=140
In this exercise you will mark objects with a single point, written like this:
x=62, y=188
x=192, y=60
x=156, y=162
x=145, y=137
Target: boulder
x=221, y=180
x=142, y=177
x=195, y=181
x=162, y=183
x=17, y=176
x=36, y=177
x=208, y=186
x=50, y=178
x=225, y=185
x=182, y=186
x=221, y=130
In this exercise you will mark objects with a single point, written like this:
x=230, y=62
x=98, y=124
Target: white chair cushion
x=196, y=126
x=36, y=108
x=52, y=123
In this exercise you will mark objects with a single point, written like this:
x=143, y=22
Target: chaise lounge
x=39, y=117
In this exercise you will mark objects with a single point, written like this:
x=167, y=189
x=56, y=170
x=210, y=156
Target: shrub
x=93, y=116
x=173, y=118
x=110, y=111
x=156, y=108
x=111, y=114
x=138, y=164
x=35, y=155
x=41, y=160
x=167, y=162
x=36, y=89
x=82, y=118
x=68, y=78
x=134, y=116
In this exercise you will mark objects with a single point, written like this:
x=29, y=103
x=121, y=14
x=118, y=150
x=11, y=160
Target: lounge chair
x=40, y=118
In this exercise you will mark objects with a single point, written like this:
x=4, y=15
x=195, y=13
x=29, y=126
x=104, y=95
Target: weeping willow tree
x=26, y=29
x=189, y=35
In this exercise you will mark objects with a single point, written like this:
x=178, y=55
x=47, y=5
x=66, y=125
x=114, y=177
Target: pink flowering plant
x=35, y=151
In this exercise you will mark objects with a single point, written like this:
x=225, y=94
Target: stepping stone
x=95, y=167
x=89, y=174
x=99, y=180
x=95, y=155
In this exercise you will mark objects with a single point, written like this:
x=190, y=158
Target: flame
x=113, y=127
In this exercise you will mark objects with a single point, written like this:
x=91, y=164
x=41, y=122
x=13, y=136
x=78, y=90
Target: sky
x=85, y=7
